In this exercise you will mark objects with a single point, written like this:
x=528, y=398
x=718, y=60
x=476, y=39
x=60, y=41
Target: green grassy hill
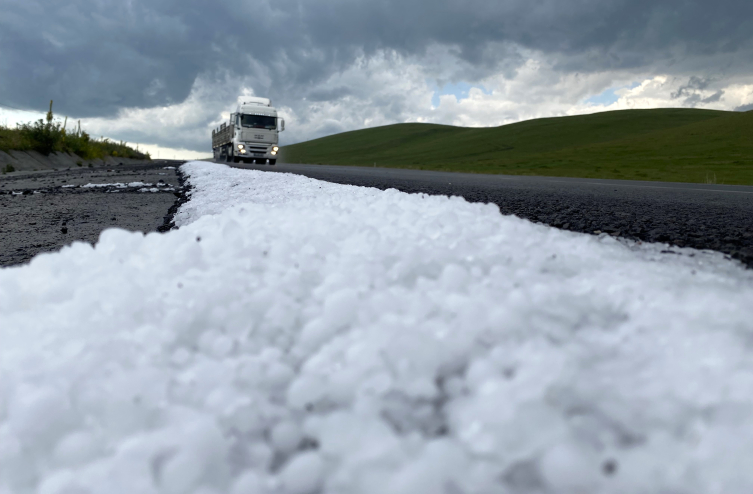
x=681, y=145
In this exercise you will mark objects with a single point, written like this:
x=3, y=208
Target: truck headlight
x=275, y=149
x=241, y=146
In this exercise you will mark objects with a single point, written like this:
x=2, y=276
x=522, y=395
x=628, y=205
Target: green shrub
x=8, y=168
x=50, y=136
x=44, y=137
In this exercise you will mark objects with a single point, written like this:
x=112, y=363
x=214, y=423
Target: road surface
x=44, y=211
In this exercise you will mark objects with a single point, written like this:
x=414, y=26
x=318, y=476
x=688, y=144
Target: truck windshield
x=259, y=122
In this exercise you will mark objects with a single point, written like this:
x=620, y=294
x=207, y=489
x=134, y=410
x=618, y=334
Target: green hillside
x=681, y=145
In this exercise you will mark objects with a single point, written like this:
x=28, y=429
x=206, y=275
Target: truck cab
x=251, y=134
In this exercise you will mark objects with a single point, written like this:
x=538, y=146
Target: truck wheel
x=272, y=162
x=228, y=156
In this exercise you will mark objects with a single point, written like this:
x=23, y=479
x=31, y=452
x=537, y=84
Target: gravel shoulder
x=42, y=212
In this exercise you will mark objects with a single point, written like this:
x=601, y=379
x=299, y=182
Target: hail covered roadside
x=297, y=336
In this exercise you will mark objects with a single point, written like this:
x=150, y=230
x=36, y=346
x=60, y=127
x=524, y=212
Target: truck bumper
x=258, y=151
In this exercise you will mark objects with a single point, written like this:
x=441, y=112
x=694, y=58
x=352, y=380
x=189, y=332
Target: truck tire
x=272, y=162
x=228, y=156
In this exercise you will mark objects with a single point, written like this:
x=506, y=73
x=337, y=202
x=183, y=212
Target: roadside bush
x=81, y=144
x=48, y=136
x=43, y=137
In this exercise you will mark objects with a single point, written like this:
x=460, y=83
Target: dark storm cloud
x=691, y=92
x=714, y=97
x=694, y=84
x=97, y=56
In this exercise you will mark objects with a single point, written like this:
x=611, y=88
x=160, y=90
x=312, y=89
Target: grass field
x=676, y=145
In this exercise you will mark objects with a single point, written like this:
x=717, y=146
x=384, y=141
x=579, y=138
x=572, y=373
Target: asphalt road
x=42, y=212
x=716, y=217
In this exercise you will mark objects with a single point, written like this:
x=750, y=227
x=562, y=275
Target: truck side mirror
x=282, y=124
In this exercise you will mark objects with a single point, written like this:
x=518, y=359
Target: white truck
x=250, y=135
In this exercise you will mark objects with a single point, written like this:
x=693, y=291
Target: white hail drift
x=297, y=336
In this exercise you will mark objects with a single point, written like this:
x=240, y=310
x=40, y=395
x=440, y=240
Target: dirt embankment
x=28, y=161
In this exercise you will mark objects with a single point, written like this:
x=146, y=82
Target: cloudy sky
x=163, y=73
